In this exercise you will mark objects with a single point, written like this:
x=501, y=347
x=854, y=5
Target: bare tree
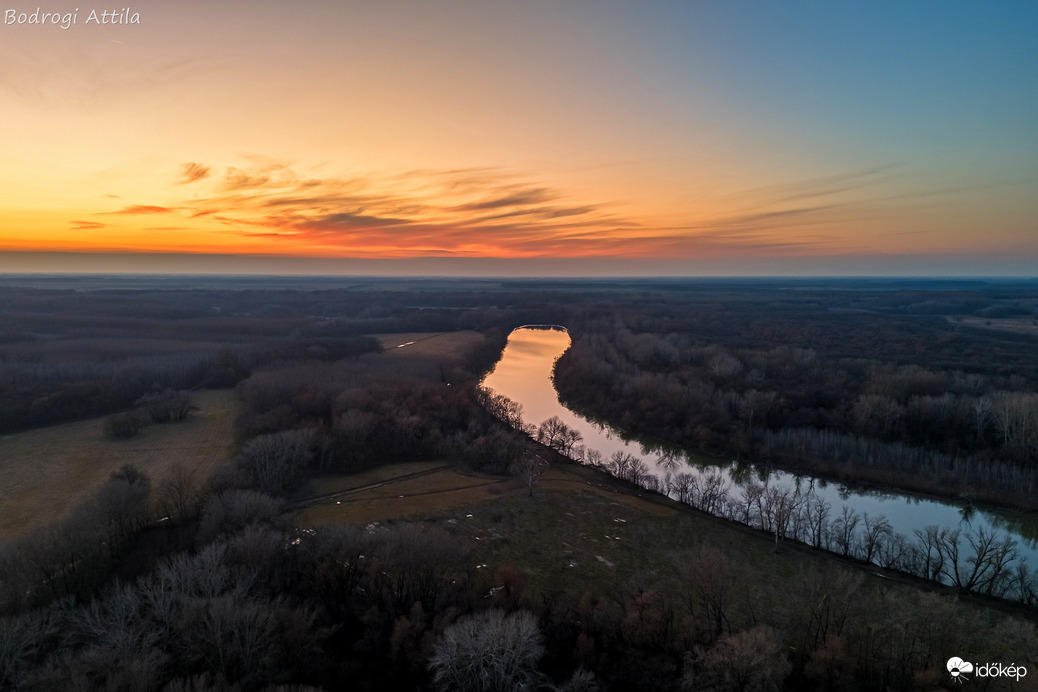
x=876, y=532
x=275, y=463
x=593, y=457
x=23, y=640
x=529, y=467
x=1003, y=408
x=121, y=426
x=781, y=506
x=682, y=484
x=502, y=408
x=750, y=508
x=179, y=493
x=749, y=661
x=897, y=553
x=341, y=554
x=119, y=510
x=417, y=565
x=232, y=636
x=818, y=516
x=710, y=587
x=831, y=601
x=552, y=431
x=987, y=570
x=843, y=531
x=620, y=464
x=168, y=406
x=233, y=510
x=981, y=409
x=488, y=652
x=185, y=577
x=757, y=404
x=51, y=562
x=638, y=473
x=931, y=553
x=711, y=493
x=567, y=441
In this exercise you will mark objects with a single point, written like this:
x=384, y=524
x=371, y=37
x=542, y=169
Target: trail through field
x=338, y=495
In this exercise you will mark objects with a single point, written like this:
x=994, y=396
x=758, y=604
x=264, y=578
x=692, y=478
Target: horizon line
x=929, y=266
x=532, y=277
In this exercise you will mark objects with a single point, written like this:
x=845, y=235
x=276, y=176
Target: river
x=796, y=506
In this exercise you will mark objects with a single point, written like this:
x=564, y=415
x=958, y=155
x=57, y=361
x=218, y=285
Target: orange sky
x=540, y=129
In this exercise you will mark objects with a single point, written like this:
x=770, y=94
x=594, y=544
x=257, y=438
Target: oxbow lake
x=524, y=375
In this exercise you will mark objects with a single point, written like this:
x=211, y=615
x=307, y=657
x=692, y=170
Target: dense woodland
x=875, y=384
x=227, y=593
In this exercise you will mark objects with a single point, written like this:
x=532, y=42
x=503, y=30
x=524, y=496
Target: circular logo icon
x=957, y=667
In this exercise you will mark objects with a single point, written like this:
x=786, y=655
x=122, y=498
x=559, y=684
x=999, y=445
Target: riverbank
x=1021, y=514
x=990, y=552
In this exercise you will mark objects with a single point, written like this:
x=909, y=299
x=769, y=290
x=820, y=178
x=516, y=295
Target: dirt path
x=328, y=497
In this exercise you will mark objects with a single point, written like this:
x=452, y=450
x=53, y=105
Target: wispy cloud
x=490, y=211
x=237, y=179
x=360, y=220
x=815, y=188
x=193, y=172
x=85, y=225
x=466, y=211
x=138, y=209
x=518, y=198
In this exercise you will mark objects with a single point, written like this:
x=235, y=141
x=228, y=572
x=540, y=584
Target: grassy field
x=44, y=473
x=580, y=525
x=445, y=345
x=585, y=527
x=399, y=490
x=1017, y=325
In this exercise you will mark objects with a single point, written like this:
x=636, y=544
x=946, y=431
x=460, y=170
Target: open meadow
x=581, y=526
x=45, y=473
x=444, y=345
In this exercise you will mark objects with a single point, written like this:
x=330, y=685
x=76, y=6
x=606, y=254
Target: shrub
x=123, y=426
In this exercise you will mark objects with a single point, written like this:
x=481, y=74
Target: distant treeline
x=68, y=354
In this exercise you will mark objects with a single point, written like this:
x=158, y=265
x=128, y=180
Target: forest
x=217, y=582
x=928, y=388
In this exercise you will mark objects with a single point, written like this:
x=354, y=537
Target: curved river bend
x=796, y=506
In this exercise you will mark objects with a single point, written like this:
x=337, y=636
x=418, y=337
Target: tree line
x=920, y=425
x=978, y=561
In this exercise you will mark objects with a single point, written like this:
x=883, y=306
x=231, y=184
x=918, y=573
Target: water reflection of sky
x=524, y=375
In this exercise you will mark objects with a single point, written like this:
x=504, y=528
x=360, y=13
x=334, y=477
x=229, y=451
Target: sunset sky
x=523, y=137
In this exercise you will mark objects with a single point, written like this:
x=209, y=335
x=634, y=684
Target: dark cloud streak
x=491, y=210
x=515, y=199
x=137, y=209
x=192, y=172
x=86, y=225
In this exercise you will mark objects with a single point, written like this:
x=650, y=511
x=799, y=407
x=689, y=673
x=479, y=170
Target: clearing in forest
x=47, y=472
x=449, y=345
